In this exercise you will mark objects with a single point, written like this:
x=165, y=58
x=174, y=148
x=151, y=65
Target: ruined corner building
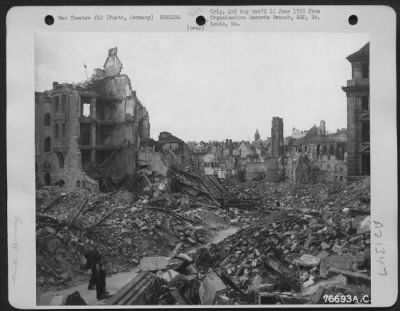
x=88, y=134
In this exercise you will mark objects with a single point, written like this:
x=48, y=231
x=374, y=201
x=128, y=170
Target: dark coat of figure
x=93, y=258
x=100, y=282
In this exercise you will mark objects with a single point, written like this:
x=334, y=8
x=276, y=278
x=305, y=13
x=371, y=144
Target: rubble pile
x=302, y=252
x=59, y=252
x=298, y=243
x=123, y=227
x=269, y=195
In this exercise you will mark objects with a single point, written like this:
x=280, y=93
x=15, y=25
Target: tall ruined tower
x=256, y=136
x=358, y=120
x=277, y=137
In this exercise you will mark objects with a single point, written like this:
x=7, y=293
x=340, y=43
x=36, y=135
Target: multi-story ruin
x=88, y=134
x=277, y=137
x=358, y=120
x=317, y=156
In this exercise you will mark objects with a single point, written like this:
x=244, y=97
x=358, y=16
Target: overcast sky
x=213, y=86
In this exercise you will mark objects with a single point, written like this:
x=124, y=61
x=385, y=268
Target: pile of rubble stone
x=124, y=228
x=300, y=241
x=285, y=194
x=303, y=252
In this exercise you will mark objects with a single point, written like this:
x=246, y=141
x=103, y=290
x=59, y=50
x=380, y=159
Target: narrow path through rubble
x=116, y=281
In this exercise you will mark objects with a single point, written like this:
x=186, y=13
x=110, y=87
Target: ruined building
x=358, y=124
x=277, y=137
x=88, y=134
x=317, y=156
x=175, y=147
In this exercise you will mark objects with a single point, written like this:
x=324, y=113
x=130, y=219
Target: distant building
x=174, y=146
x=277, y=137
x=319, y=155
x=358, y=119
x=297, y=133
x=244, y=150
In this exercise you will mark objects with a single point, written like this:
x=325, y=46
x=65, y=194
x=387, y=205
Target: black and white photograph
x=219, y=170
x=202, y=167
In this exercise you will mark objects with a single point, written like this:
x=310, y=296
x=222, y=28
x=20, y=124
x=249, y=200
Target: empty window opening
x=318, y=150
x=47, y=119
x=331, y=149
x=57, y=103
x=365, y=71
x=340, y=153
x=63, y=103
x=85, y=158
x=86, y=110
x=364, y=102
x=56, y=130
x=47, y=144
x=60, y=157
x=84, y=138
x=85, y=106
x=78, y=183
x=47, y=179
x=63, y=130
x=365, y=130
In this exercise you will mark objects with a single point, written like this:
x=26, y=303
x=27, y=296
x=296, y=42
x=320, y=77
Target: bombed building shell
x=88, y=134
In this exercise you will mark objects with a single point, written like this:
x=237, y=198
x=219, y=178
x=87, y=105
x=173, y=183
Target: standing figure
x=93, y=257
x=100, y=282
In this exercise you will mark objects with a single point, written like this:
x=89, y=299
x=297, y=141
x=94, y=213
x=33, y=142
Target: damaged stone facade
x=318, y=156
x=88, y=134
x=358, y=119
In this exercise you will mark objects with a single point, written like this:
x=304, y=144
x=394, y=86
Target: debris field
x=293, y=243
